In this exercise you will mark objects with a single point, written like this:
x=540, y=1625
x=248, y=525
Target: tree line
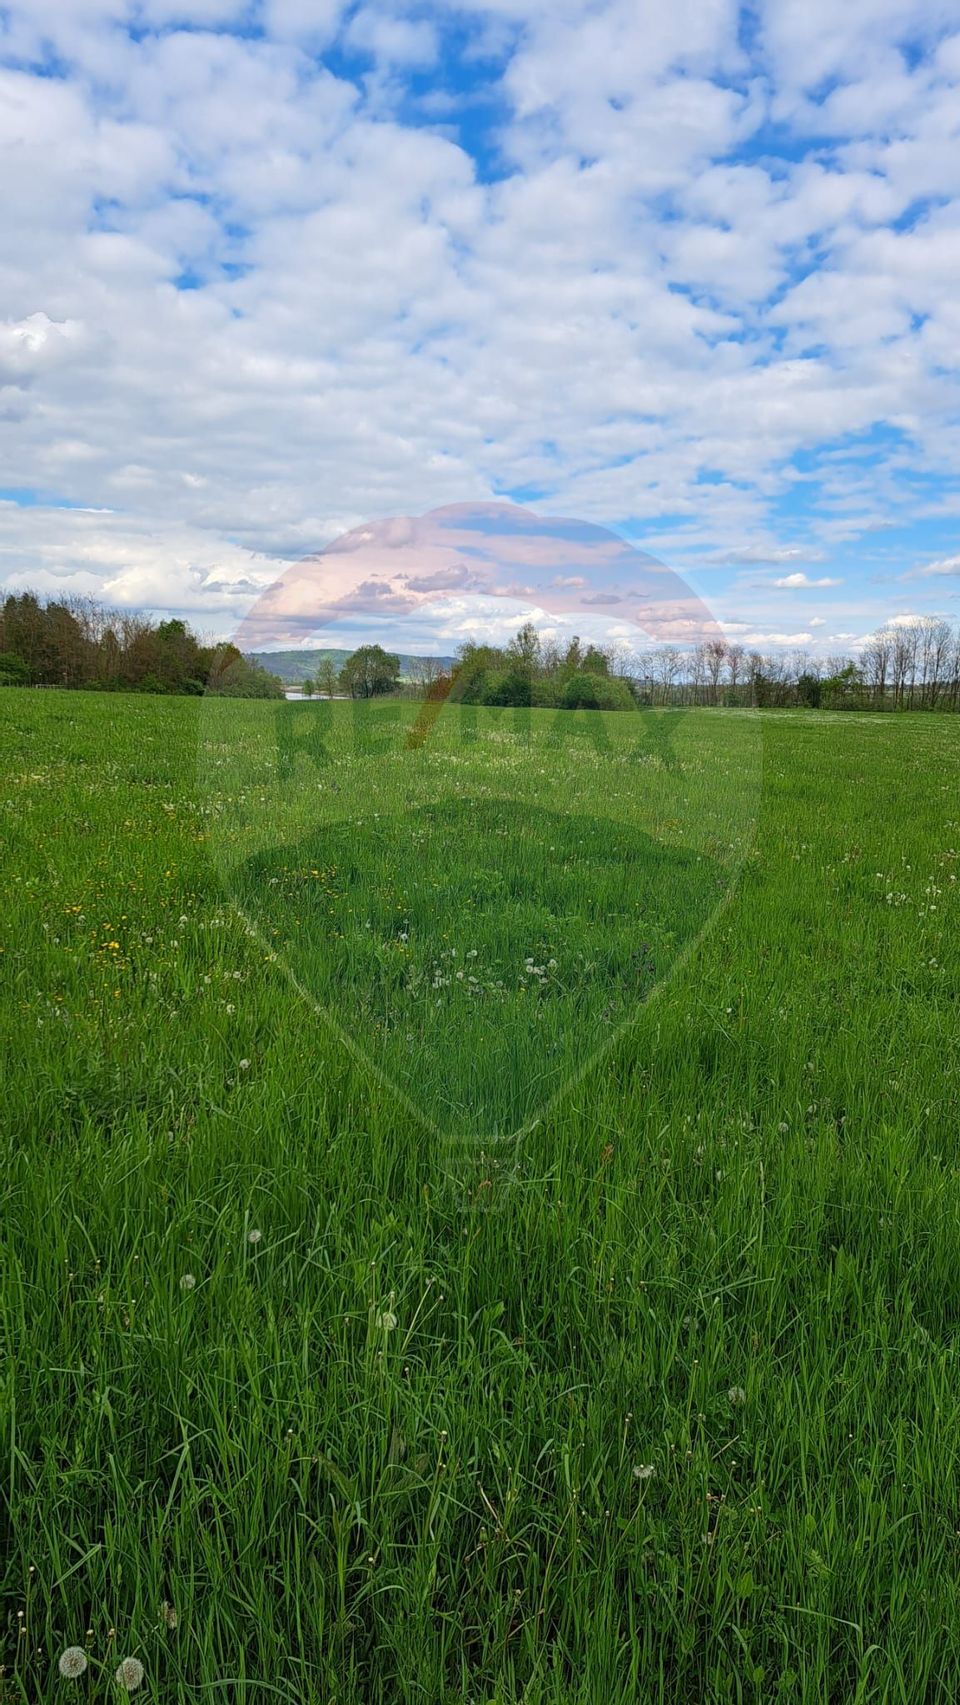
x=904, y=666
x=74, y=642
x=911, y=665
x=527, y=671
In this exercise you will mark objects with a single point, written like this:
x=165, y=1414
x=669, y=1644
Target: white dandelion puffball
x=254, y=1236
x=129, y=1674
x=643, y=1471
x=386, y=1321
x=187, y=1282
x=72, y=1662
x=736, y=1396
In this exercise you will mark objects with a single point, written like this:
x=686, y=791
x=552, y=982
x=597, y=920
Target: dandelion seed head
x=643, y=1470
x=254, y=1236
x=736, y=1396
x=169, y=1614
x=129, y=1674
x=244, y=1065
x=187, y=1282
x=72, y=1662
x=387, y=1320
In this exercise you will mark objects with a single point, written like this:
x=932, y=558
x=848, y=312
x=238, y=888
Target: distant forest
x=907, y=665
x=73, y=642
x=911, y=665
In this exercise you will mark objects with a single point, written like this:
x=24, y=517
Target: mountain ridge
x=297, y=665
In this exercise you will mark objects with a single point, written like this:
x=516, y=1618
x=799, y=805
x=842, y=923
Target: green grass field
x=600, y=1343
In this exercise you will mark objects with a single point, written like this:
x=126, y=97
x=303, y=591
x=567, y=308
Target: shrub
x=14, y=672
x=585, y=690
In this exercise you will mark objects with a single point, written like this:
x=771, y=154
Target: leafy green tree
x=142, y=657
x=24, y=632
x=370, y=672
x=234, y=676
x=588, y=689
x=842, y=689
x=13, y=670
x=573, y=658
x=307, y=687
x=474, y=664
x=595, y=661
x=511, y=686
x=327, y=678
x=524, y=648
x=179, y=659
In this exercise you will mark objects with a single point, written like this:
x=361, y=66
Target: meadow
x=585, y=1332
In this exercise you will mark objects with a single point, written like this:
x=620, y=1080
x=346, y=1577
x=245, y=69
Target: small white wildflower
x=187, y=1282
x=129, y=1674
x=386, y=1321
x=643, y=1470
x=254, y=1236
x=72, y=1662
x=736, y=1396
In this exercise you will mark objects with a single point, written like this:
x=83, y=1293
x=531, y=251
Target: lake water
x=295, y=693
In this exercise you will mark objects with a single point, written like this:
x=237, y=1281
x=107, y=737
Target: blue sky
x=278, y=268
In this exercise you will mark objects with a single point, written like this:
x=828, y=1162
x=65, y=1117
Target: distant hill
x=296, y=666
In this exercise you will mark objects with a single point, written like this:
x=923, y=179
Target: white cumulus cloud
x=798, y=581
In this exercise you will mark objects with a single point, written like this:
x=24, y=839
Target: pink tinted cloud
x=394, y=567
